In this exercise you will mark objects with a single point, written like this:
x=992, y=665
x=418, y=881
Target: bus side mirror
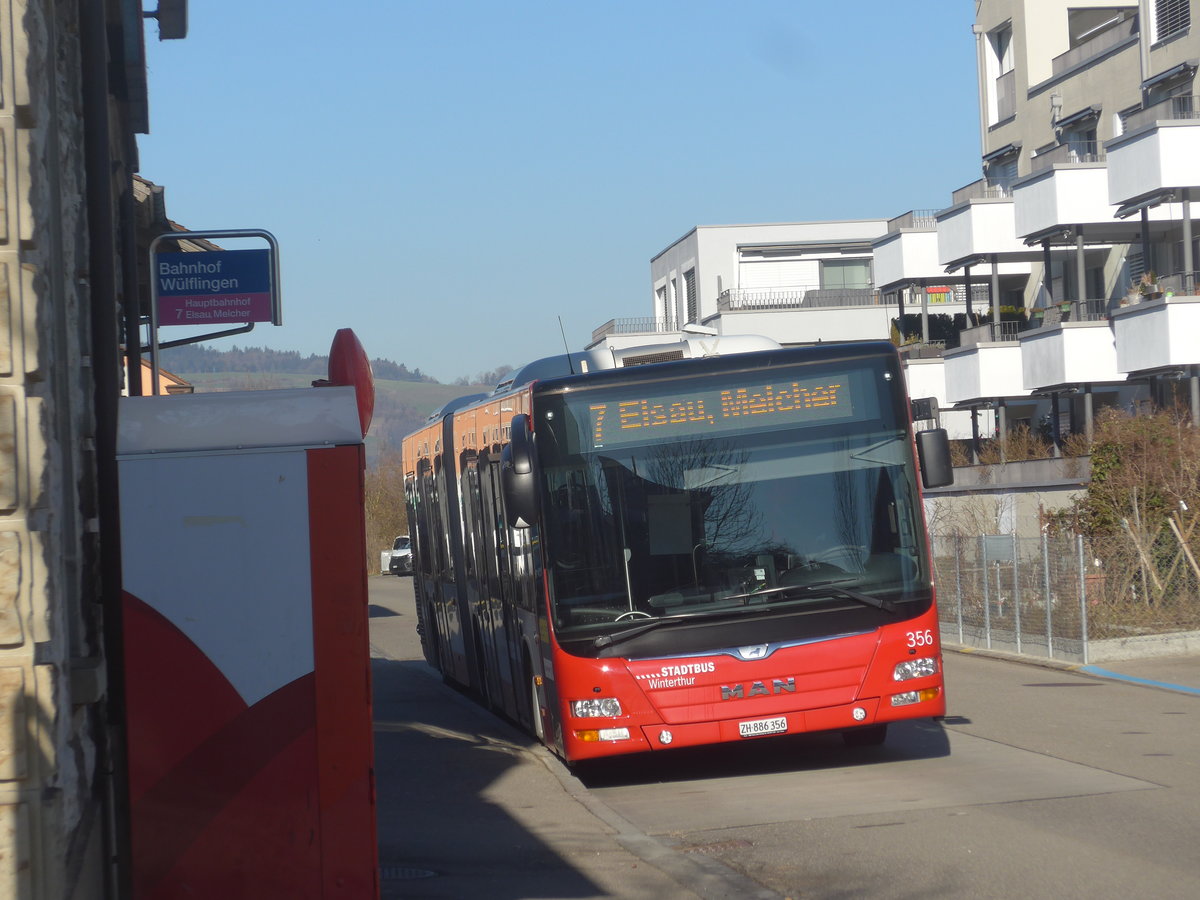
x=924, y=408
x=933, y=456
x=517, y=479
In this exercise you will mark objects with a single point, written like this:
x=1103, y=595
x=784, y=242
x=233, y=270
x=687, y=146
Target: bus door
x=454, y=627
x=520, y=573
x=475, y=584
x=416, y=530
x=425, y=566
x=507, y=642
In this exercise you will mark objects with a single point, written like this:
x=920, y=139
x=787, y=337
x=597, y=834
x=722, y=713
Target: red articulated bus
x=685, y=544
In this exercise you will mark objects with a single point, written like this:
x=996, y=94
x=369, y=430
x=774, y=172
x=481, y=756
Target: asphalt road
x=1041, y=782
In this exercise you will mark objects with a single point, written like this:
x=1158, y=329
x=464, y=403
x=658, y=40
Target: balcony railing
x=1006, y=95
x=645, y=325
x=1177, y=283
x=980, y=190
x=798, y=297
x=915, y=218
x=1093, y=310
x=989, y=333
x=1101, y=43
x=827, y=297
x=1070, y=153
x=919, y=349
x=1173, y=109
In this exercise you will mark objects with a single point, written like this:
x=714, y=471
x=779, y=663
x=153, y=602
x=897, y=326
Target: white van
x=401, y=563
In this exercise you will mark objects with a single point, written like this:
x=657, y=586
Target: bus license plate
x=759, y=727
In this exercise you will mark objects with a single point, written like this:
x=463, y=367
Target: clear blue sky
x=448, y=179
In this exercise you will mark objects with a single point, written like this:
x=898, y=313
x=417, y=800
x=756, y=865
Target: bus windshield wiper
x=827, y=587
x=608, y=640
x=831, y=588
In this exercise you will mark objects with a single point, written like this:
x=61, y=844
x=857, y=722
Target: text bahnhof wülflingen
x=191, y=279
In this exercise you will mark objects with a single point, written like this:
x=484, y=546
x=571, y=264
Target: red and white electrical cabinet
x=247, y=662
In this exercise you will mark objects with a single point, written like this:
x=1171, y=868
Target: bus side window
x=420, y=523
x=470, y=496
x=491, y=524
x=414, y=523
x=432, y=531
x=442, y=514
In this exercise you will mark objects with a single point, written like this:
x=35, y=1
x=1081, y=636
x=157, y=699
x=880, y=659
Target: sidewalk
x=1172, y=673
x=469, y=806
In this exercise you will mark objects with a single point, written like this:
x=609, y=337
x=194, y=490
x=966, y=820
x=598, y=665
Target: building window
x=1081, y=142
x=1002, y=94
x=1171, y=17
x=689, y=290
x=1001, y=42
x=1001, y=173
x=845, y=274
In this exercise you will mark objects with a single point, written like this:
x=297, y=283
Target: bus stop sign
x=215, y=287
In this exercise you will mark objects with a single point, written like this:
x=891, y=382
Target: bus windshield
x=725, y=494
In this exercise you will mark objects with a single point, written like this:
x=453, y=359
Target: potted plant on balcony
x=1148, y=286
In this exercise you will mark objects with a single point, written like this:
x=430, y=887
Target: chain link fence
x=1069, y=598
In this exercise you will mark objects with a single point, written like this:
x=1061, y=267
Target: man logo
x=755, y=651
x=758, y=689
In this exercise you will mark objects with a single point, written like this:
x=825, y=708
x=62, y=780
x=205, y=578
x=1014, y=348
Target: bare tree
x=385, y=511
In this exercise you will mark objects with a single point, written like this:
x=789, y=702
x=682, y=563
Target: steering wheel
x=633, y=614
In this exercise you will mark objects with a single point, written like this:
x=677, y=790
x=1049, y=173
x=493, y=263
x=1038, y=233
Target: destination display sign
x=665, y=411
x=215, y=287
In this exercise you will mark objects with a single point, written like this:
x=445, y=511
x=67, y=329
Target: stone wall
x=51, y=684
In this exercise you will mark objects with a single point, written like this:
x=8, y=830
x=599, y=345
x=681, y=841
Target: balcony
x=1159, y=151
x=1157, y=334
x=1120, y=36
x=980, y=223
x=634, y=326
x=1068, y=186
x=1183, y=108
x=923, y=219
x=908, y=252
x=1073, y=345
x=981, y=372
x=979, y=190
x=989, y=333
x=1071, y=153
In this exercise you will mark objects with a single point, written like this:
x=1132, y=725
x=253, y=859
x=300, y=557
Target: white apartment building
x=1089, y=136
x=1068, y=268
x=797, y=283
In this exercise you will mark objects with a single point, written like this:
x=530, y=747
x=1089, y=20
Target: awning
x=1184, y=70
x=1088, y=112
x=1006, y=150
x=1145, y=203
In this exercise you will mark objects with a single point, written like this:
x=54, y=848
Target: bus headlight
x=916, y=668
x=606, y=707
x=603, y=734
